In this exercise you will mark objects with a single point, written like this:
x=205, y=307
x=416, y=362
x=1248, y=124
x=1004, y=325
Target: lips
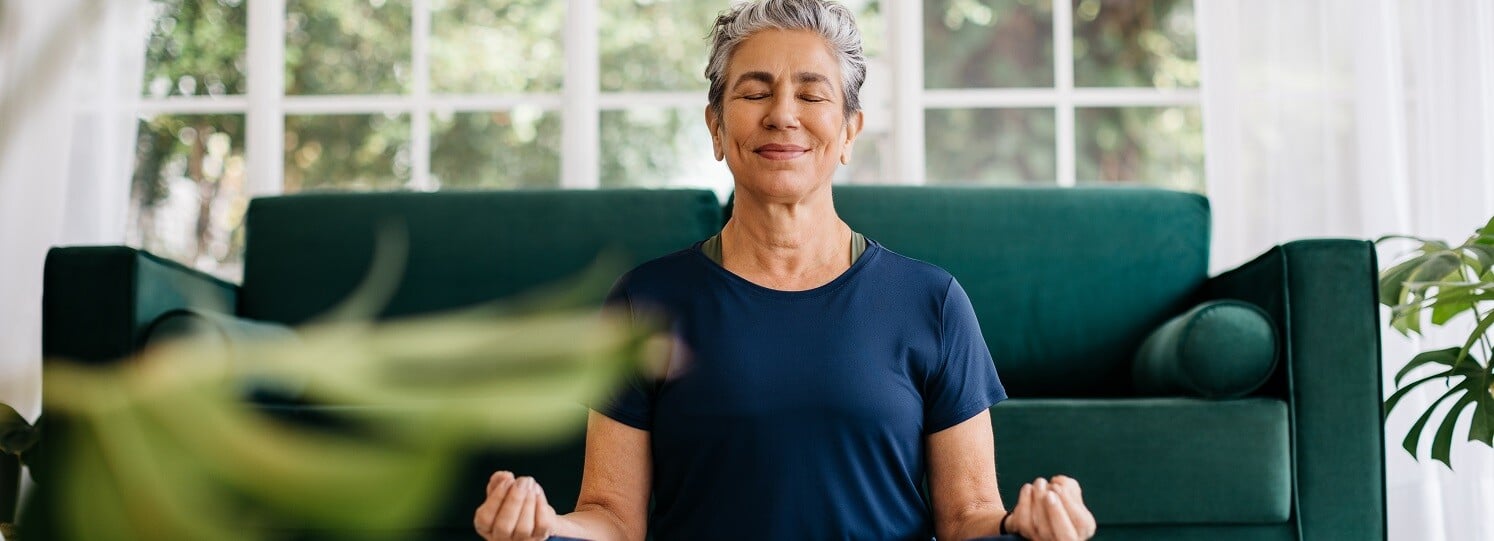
x=780, y=152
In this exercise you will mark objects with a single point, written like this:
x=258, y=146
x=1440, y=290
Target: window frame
x=581, y=102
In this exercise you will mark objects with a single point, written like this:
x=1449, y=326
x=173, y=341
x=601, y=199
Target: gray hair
x=830, y=20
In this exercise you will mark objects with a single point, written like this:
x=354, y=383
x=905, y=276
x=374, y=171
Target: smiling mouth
x=781, y=152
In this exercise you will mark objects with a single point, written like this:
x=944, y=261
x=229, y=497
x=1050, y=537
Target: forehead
x=783, y=54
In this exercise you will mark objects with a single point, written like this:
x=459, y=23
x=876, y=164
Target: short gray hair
x=830, y=20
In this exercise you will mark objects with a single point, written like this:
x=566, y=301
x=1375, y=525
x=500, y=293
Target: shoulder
x=660, y=275
x=913, y=274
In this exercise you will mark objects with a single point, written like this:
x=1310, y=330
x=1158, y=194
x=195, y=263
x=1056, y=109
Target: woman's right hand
x=516, y=510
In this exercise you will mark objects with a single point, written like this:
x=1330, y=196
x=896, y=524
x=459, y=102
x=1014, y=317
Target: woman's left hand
x=1051, y=511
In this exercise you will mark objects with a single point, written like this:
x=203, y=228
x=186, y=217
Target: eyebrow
x=803, y=77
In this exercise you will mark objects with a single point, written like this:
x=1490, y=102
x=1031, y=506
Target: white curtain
x=69, y=72
x=1359, y=118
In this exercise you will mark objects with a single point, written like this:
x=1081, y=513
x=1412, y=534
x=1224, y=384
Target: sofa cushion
x=1066, y=282
x=1219, y=349
x=306, y=252
x=1153, y=461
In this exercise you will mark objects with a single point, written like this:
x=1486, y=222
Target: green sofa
x=1067, y=284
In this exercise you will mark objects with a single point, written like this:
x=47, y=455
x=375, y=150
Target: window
x=251, y=97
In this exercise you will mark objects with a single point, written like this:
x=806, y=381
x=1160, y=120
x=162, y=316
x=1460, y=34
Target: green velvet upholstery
x=1153, y=461
x=1067, y=283
x=1321, y=295
x=1219, y=349
x=1252, y=532
x=98, y=302
x=306, y=252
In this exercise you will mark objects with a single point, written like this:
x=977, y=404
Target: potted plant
x=1436, y=282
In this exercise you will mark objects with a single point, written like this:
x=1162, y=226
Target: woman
x=822, y=377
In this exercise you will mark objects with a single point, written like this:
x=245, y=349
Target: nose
x=783, y=114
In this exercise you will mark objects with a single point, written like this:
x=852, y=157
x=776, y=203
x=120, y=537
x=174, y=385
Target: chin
x=780, y=185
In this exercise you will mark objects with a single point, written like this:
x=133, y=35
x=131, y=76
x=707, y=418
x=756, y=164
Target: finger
x=1079, y=515
x=1067, y=485
x=524, y=528
x=498, y=477
x=1022, y=523
x=544, y=515
x=508, y=512
x=482, y=520
x=494, y=504
x=1058, y=519
x=1040, y=520
x=1044, y=487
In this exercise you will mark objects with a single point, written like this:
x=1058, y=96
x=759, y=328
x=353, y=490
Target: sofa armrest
x=99, y=301
x=1321, y=295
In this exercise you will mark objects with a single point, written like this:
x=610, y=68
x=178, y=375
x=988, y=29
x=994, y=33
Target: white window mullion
x=1063, y=80
x=905, y=53
x=264, y=131
x=580, y=153
x=420, y=111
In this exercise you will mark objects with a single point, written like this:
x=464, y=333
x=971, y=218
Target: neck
x=786, y=242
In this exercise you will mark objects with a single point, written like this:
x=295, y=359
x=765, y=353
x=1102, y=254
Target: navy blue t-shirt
x=802, y=414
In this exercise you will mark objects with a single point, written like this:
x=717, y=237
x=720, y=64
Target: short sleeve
x=964, y=382
x=632, y=403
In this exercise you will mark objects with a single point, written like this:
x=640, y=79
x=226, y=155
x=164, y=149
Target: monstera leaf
x=163, y=445
x=1436, y=282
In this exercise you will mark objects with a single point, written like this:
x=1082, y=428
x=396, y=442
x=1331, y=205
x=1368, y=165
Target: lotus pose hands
x=516, y=510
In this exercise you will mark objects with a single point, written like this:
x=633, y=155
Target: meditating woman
x=819, y=377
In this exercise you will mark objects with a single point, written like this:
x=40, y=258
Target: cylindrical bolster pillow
x=1219, y=349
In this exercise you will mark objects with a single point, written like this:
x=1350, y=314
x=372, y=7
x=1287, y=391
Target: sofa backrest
x=1066, y=282
x=305, y=253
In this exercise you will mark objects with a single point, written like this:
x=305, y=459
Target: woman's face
x=783, y=128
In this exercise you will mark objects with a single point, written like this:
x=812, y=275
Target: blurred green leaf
x=164, y=447
x=1393, y=280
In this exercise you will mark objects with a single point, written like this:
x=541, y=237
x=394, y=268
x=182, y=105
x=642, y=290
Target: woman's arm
x=962, y=480
x=962, y=485
x=614, y=493
x=615, y=484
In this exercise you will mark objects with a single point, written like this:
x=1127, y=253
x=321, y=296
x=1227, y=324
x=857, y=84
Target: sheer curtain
x=69, y=72
x=1359, y=118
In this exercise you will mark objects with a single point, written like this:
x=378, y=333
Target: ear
x=853, y=129
x=713, y=123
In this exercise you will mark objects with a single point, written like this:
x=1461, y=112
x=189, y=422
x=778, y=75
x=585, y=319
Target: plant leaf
x=1439, y=356
x=1482, y=253
x=1393, y=280
x=1439, y=267
x=1413, y=436
x=1478, y=331
x=1442, y=442
x=1482, y=427
x=1401, y=393
x=1487, y=231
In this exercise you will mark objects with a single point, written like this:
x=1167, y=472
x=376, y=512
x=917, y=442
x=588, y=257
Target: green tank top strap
x=712, y=247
